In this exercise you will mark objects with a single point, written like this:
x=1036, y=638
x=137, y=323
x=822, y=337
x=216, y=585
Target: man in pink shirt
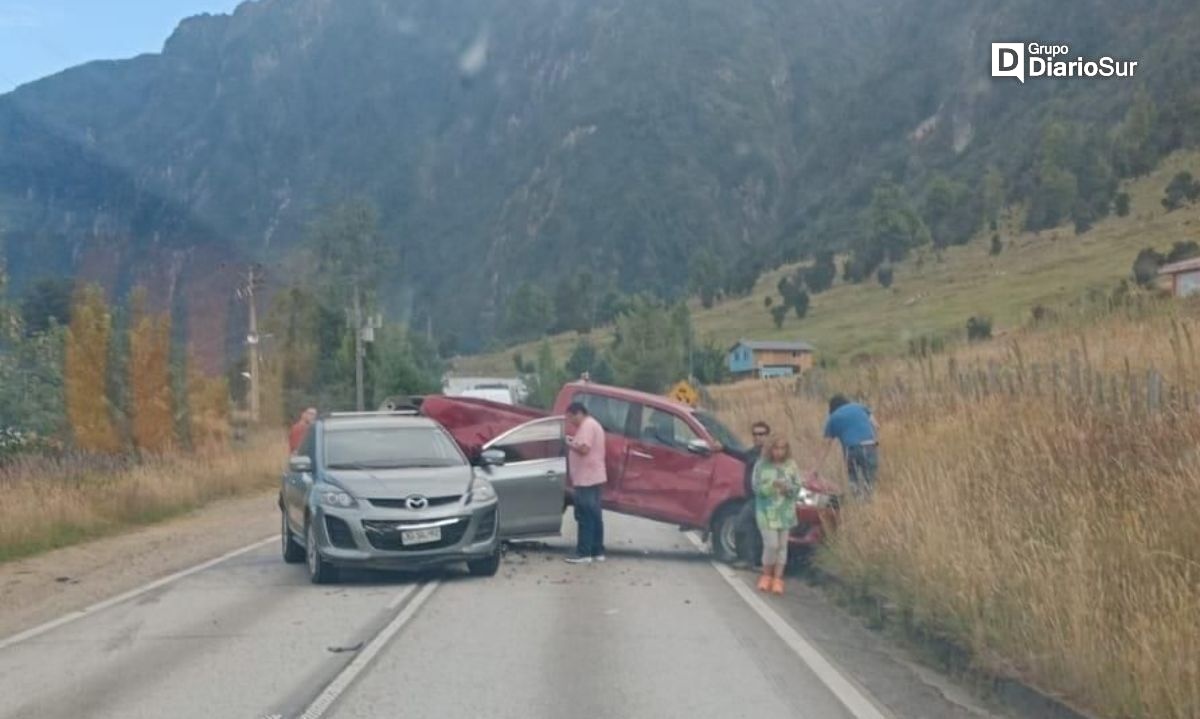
x=586, y=473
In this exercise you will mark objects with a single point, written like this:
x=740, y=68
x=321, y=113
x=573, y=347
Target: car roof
x=630, y=395
x=377, y=420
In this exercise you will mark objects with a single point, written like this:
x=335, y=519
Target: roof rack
x=402, y=412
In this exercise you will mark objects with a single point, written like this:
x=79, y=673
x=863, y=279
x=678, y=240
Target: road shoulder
x=41, y=588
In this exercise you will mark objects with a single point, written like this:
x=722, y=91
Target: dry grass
x=1056, y=538
x=50, y=503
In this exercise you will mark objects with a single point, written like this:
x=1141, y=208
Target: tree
x=574, y=303
x=886, y=276
x=45, y=304
x=1145, y=266
x=587, y=358
x=893, y=229
x=741, y=278
x=1184, y=250
x=1183, y=189
x=799, y=304
x=708, y=363
x=705, y=277
x=529, y=314
x=85, y=373
x=1134, y=153
x=993, y=197
x=352, y=258
x=1121, y=204
x=649, y=351
x=150, y=403
x=778, y=315
x=997, y=246
x=951, y=216
x=821, y=275
x=546, y=379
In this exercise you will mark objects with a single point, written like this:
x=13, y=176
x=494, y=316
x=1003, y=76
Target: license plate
x=420, y=536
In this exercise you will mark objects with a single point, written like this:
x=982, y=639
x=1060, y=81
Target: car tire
x=293, y=551
x=485, y=567
x=724, y=533
x=319, y=571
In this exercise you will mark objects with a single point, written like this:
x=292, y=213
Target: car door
x=617, y=417
x=532, y=481
x=665, y=477
x=296, y=484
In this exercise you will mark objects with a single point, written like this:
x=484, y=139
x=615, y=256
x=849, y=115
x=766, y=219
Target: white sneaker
x=578, y=560
x=600, y=558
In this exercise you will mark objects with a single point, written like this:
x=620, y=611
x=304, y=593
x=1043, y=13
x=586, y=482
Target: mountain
x=519, y=140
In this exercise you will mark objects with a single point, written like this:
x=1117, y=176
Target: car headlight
x=481, y=491
x=808, y=498
x=337, y=498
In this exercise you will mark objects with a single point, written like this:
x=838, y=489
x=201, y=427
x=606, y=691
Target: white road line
x=342, y=681
x=131, y=594
x=855, y=701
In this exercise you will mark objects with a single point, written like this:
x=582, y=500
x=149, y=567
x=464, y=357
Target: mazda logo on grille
x=417, y=502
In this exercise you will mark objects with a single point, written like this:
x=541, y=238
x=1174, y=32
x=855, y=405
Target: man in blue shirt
x=852, y=425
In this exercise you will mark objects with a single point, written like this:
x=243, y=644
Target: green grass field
x=932, y=297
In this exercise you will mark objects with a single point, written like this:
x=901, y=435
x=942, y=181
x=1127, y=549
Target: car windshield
x=720, y=432
x=389, y=448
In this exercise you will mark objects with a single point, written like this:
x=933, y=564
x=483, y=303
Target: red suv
x=666, y=461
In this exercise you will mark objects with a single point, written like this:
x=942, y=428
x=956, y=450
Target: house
x=750, y=358
x=1185, y=276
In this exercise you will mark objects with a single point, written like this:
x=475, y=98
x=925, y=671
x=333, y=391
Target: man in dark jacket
x=749, y=541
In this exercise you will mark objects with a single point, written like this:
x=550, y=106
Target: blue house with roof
x=765, y=359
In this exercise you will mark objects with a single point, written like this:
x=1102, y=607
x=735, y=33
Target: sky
x=42, y=37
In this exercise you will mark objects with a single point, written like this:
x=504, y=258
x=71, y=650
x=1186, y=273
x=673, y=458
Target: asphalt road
x=657, y=631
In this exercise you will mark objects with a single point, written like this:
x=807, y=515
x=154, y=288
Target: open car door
x=531, y=483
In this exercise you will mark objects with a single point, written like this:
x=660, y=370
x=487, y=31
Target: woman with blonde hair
x=776, y=489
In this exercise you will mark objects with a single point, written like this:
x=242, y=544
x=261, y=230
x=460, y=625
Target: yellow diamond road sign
x=685, y=393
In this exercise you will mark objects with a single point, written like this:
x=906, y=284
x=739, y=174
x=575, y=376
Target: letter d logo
x=1008, y=60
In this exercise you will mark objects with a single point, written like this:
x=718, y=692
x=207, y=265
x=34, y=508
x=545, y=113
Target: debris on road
x=340, y=650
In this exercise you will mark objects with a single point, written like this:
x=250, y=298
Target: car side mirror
x=699, y=446
x=492, y=458
x=300, y=464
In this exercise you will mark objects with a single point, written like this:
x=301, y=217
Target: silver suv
x=386, y=491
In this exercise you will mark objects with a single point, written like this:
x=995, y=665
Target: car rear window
x=389, y=448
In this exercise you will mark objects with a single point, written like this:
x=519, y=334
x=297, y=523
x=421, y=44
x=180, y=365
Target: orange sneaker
x=764, y=583
x=777, y=586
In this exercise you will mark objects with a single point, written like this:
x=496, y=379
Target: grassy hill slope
x=936, y=298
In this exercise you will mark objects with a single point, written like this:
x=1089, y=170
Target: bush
x=778, y=315
x=1180, y=251
x=885, y=275
x=979, y=328
x=1042, y=314
x=1145, y=266
x=1181, y=190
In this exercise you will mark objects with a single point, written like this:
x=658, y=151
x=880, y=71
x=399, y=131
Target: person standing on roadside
x=776, y=489
x=852, y=425
x=587, y=475
x=747, y=539
x=300, y=430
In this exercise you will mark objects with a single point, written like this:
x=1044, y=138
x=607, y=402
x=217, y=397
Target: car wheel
x=485, y=567
x=293, y=553
x=724, y=533
x=319, y=571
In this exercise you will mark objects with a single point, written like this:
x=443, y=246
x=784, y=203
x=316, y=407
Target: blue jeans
x=862, y=464
x=590, y=518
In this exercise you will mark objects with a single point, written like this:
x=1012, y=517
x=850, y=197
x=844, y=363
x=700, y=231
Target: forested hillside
x=534, y=163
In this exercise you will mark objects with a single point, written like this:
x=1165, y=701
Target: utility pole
x=254, y=279
x=358, y=351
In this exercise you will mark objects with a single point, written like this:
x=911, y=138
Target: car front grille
x=385, y=535
x=486, y=526
x=403, y=503
x=339, y=533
